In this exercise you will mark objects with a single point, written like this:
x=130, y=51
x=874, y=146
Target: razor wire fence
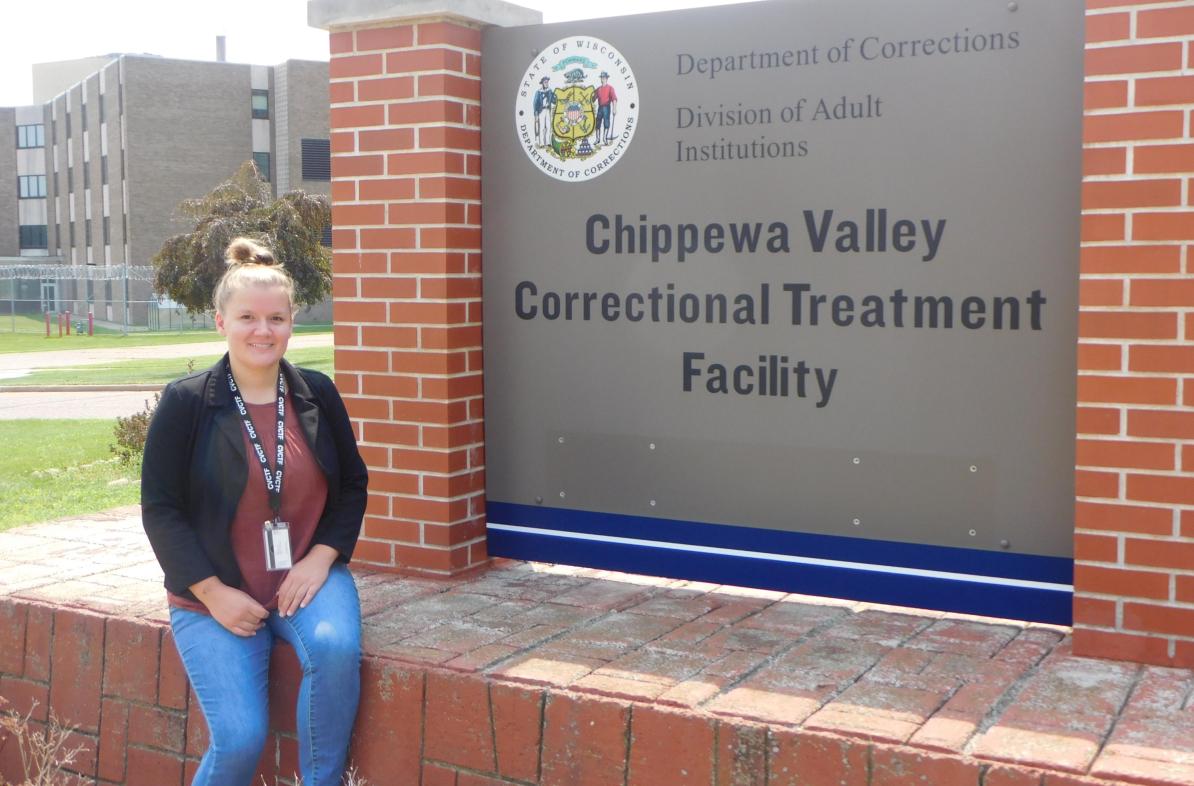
x=35, y=298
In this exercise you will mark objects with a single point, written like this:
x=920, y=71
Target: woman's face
x=257, y=322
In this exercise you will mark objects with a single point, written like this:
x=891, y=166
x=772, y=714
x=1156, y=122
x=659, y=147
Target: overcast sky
x=264, y=32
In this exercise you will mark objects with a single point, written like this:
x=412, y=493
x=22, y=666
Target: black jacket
x=195, y=470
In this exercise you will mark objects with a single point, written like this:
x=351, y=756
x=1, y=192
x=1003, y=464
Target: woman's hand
x=305, y=578
x=230, y=607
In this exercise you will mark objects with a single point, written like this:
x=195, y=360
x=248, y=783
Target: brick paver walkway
x=987, y=690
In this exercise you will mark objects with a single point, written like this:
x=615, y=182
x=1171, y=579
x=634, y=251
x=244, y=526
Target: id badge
x=277, y=545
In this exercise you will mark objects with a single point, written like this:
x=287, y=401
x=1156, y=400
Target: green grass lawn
x=30, y=337
x=158, y=371
x=55, y=468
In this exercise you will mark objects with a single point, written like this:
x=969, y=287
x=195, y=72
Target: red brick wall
x=119, y=681
x=406, y=191
x=1134, y=518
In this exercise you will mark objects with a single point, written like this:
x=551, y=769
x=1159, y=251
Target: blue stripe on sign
x=956, y=587
x=1028, y=567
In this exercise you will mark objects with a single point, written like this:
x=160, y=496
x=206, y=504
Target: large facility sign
x=785, y=294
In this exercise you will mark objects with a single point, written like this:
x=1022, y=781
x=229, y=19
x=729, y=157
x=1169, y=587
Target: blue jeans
x=230, y=675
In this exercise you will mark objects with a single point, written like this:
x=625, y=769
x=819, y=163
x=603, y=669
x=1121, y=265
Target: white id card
x=277, y=545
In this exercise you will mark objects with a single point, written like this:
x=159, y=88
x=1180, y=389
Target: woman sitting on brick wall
x=250, y=552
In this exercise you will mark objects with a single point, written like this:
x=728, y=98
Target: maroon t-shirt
x=304, y=493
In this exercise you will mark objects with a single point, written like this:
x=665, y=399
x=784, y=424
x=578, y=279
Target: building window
x=103, y=170
x=58, y=237
x=68, y=132
x=107, y=231
x=31, y=186
x=262, y=162
x=86, y=174
x=31, y=136
x=34, y=236
x=71, y=225
x=260, y=104
x=102, y=118
x=87, y=232
x=317, y=159
x=326, y=237
x=83, y=116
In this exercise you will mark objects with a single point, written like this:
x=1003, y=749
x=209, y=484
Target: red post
x=59, y=324
x=68, y=323
x=90, y=322
x=47, y=323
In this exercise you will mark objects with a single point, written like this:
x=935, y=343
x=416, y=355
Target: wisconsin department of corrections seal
x=576, y=109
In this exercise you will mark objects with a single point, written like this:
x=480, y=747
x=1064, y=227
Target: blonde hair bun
x=244, y=251
x=250, y=264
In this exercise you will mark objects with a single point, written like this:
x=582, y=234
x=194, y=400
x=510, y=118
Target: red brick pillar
x=1134, y=538
x=405, y=89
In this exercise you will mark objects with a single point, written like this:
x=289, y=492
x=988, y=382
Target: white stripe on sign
x=828, y=563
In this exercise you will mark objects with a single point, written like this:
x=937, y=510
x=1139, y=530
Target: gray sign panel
x=814, y=271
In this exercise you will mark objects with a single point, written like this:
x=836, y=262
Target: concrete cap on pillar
x=326, y=14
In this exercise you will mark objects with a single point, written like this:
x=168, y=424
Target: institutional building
x=99, y=164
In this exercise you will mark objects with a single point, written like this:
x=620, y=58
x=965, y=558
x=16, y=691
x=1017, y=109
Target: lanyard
x=273, y=480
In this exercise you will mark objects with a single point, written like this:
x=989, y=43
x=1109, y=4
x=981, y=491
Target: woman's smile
x=257, y=322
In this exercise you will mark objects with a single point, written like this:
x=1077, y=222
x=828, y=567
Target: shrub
x=130, y=433
x=350, y=779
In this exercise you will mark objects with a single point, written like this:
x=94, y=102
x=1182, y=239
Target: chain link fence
x=113, y=298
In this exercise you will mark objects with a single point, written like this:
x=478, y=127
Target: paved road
x=106, y=404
